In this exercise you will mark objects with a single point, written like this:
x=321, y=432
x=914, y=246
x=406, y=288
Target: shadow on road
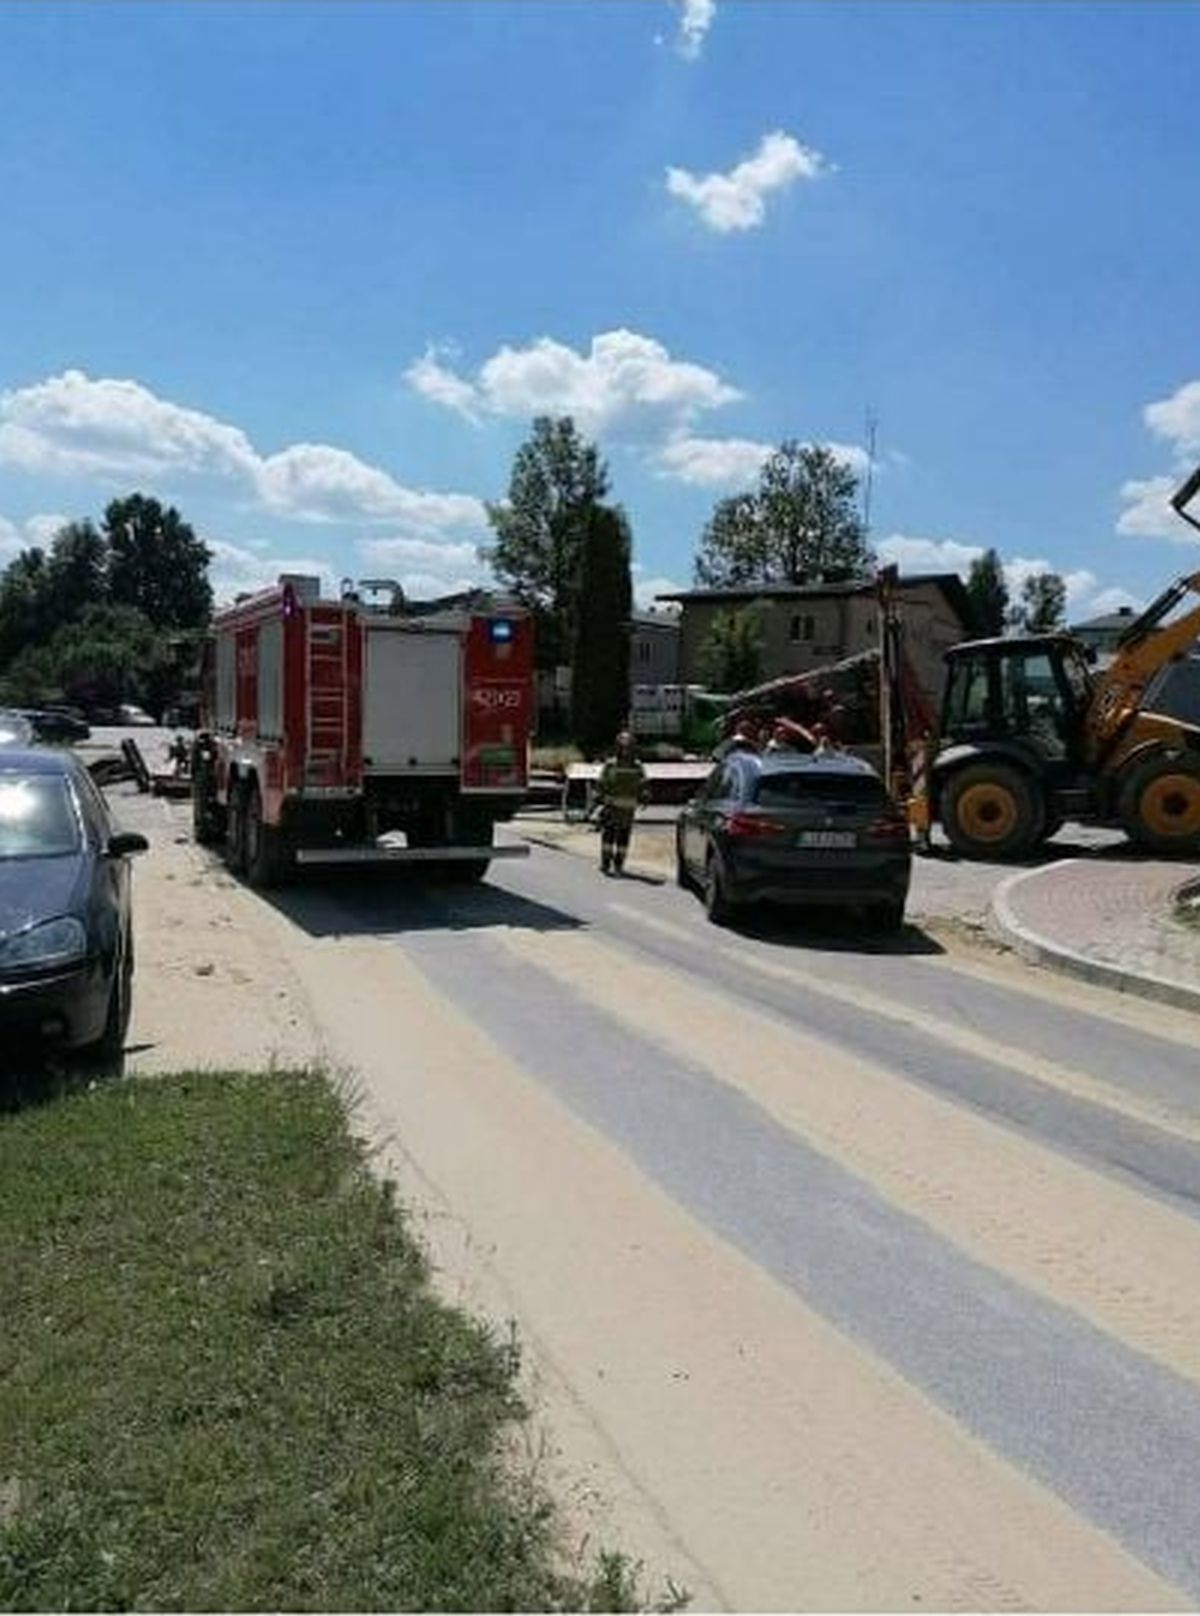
x=832, y=931
x=1074, y=842
x=386, y=902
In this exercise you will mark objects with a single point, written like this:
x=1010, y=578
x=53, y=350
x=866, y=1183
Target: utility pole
x=869, y=480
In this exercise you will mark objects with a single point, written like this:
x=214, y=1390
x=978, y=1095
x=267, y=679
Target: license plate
x=827, y=838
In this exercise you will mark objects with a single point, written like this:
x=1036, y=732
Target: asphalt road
x=986, y=1182
x=869, y=1271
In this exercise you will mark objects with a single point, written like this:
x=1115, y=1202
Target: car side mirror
x=124, y=843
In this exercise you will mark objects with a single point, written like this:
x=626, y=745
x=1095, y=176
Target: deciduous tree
x=731, y=655
x=800, y=525
x=1043, y=608
x=77, y=570
x=557, y=480
x=156, y=563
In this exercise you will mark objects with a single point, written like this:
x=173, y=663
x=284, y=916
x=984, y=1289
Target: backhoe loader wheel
x=1160, y=804
x=993, y=811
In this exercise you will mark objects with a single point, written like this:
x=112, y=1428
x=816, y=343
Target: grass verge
x=225, y=1383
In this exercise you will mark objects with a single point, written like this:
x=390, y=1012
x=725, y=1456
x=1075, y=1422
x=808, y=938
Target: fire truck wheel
x=476, y=833
x=208, y=816
x=235, y=832
x=466, y=872
x=265, y=845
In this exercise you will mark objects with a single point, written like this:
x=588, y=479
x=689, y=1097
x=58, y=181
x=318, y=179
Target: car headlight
x=53, y=942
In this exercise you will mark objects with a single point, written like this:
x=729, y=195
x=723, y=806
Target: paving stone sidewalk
x=1115, y=915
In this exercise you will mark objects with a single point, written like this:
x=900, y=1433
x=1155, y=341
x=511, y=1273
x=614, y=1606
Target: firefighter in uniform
x=621, y=788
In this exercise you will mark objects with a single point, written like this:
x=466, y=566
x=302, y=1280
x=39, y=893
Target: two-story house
x=805, y=626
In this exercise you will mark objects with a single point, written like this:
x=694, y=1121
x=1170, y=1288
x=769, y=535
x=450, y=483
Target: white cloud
x=646, y=588
x=695, y=20
x=736, y=200
x=235, y=570
x=1147, y=513
x=928, y=555
x=43, y=529
x=425, y=568
x=433, y=380
x=1105, y=601
x=323, y=484
x=1085, y=596
x=734, y=462
x=35, y=530
x=625, y=382
x=70, y=425
x=713, y=462
x=1177, y=419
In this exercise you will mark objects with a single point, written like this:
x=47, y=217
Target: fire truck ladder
x=327, y=709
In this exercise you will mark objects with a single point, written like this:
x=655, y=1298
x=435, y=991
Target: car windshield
x=37, y=817
x=799, y=789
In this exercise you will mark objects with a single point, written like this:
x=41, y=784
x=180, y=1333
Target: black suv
x=794, y=828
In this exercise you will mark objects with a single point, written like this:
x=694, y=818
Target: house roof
x=655, y=620
x=950, y=584
x=1118, y=620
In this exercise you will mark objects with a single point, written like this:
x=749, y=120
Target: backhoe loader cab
x=1013, y=720
x=1030, y=692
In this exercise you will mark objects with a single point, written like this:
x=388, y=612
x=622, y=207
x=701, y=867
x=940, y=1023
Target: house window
x=804, y=627
x=643, y=651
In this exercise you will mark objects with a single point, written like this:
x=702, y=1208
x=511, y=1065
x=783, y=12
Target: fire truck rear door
x=411, y=701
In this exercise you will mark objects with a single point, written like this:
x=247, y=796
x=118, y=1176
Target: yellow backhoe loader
x=1032, y=735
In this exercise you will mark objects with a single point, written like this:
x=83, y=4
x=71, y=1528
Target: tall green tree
x=557, y=481
x=731, y=655
x=1043, y=608
x=800, y=525
x=156, y=564
x=27, y=615
x=77, y=569
x=987, y=592
x=600, y=664
x=109, y=654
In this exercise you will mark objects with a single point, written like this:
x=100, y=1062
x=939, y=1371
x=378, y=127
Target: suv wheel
x=717, y=906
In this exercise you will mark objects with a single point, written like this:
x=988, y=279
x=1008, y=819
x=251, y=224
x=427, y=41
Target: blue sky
x=309, y=270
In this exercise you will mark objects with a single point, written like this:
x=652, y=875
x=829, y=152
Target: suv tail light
x=891, y=827
x=743, y=824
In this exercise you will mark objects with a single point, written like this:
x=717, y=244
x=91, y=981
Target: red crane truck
x=339, y=732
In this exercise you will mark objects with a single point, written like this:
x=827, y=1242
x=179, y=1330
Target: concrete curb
x=1039, y=950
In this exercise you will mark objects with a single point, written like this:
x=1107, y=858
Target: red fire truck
x=341, y=732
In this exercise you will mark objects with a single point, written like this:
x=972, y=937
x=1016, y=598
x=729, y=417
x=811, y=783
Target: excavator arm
x=1147, y=646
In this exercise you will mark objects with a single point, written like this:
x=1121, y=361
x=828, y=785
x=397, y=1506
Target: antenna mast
x=869, y=481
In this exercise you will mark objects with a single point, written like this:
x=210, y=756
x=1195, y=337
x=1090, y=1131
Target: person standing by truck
x=620, y=789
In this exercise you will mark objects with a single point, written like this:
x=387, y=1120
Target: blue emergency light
x=500, y=630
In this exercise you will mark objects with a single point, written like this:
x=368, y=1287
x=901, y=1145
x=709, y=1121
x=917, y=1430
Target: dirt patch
x=213, y=988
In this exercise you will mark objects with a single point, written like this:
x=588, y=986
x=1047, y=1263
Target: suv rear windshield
x=795, y=790
x=37, y=817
